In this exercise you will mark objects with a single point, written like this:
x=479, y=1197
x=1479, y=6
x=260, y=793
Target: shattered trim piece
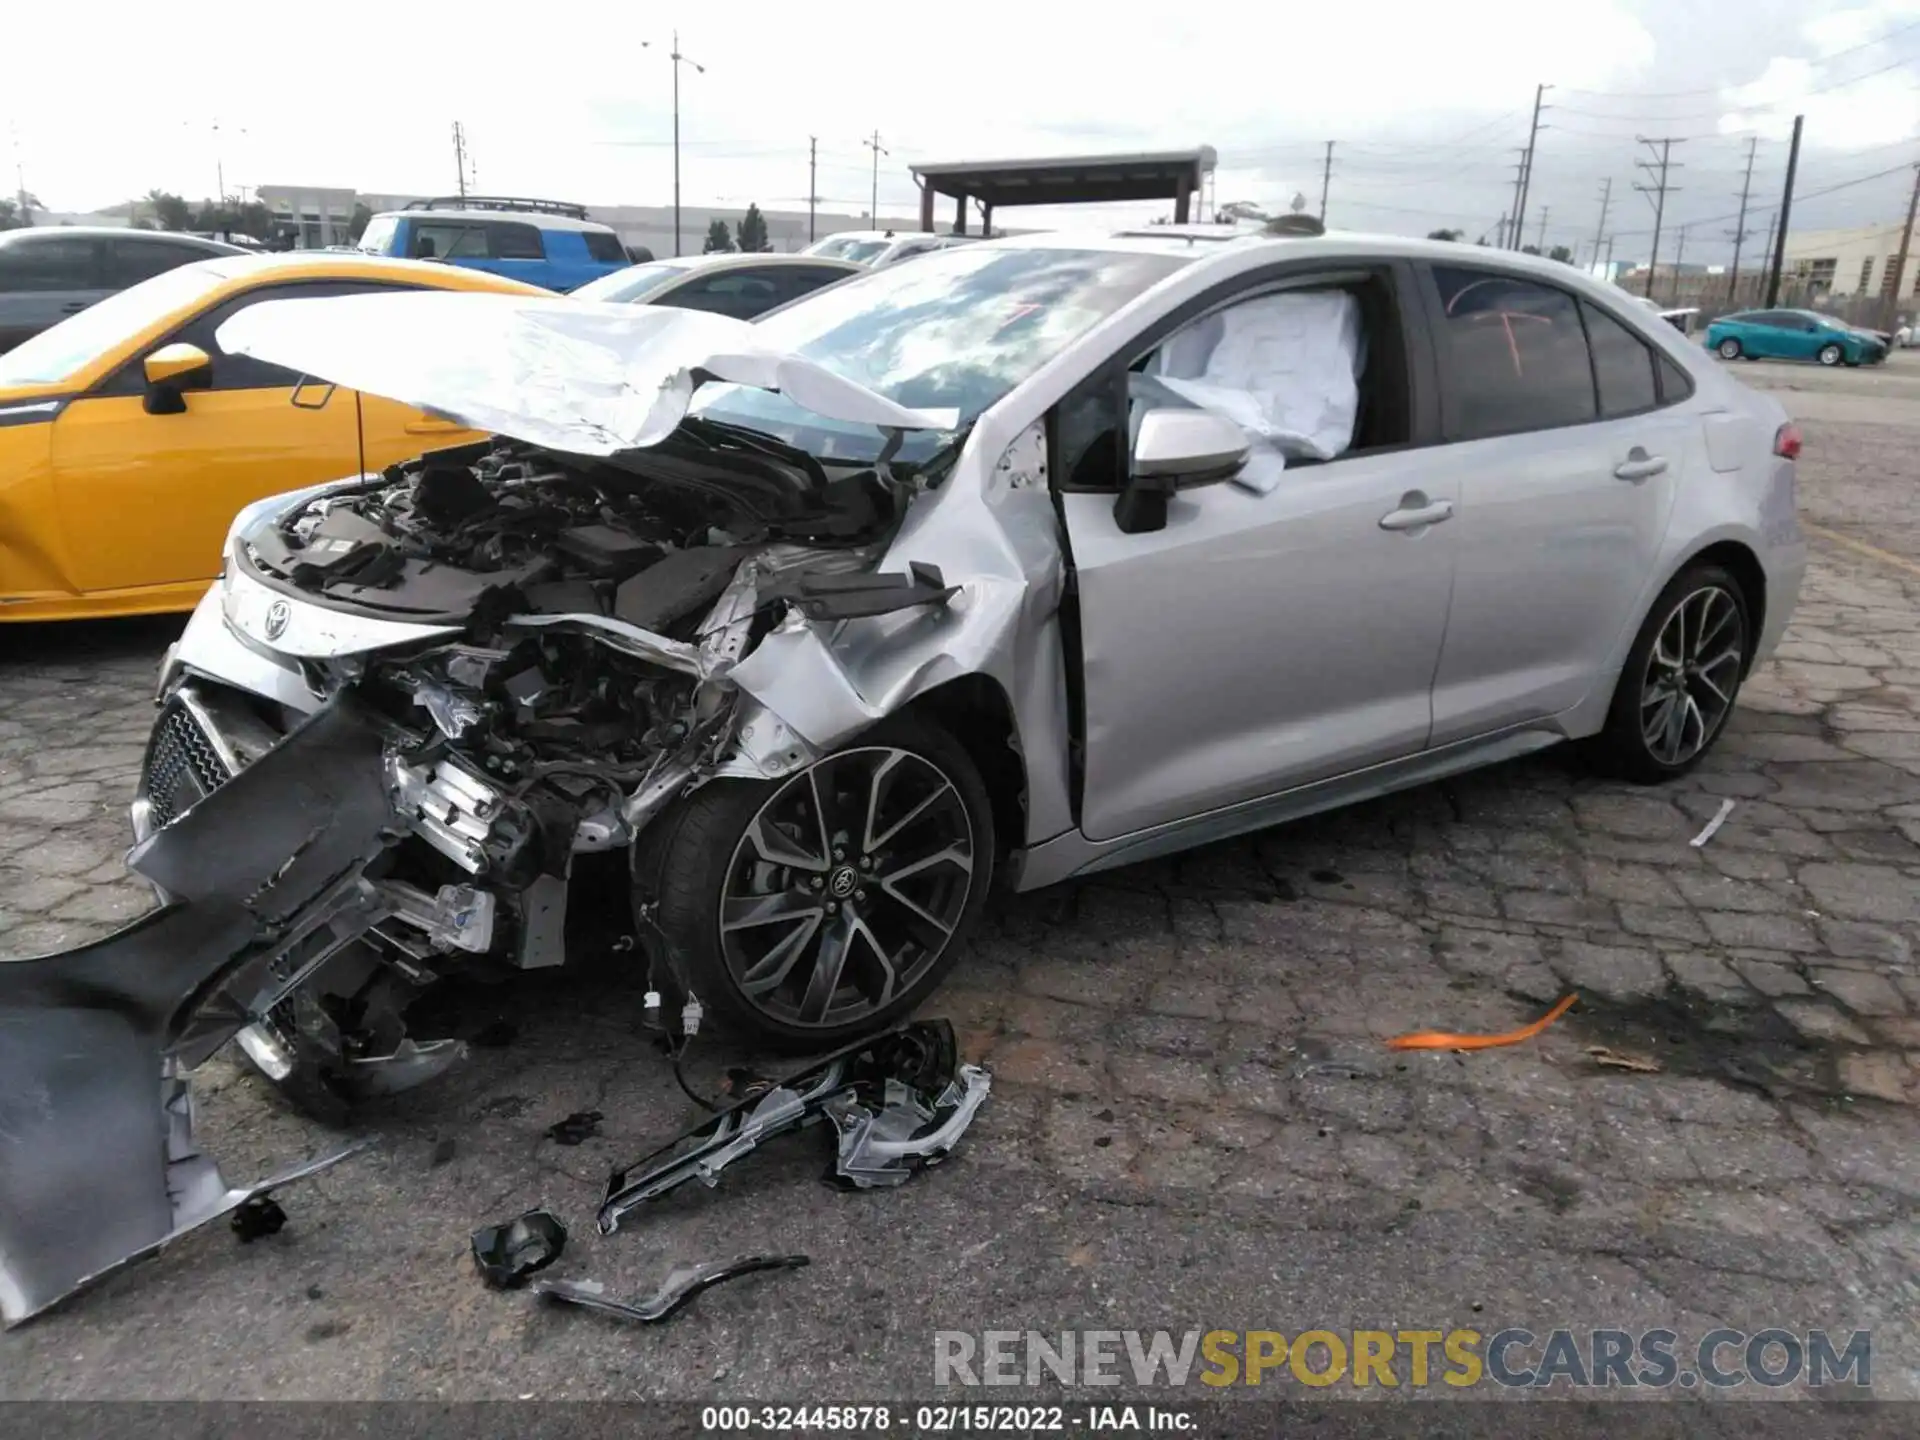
x=899, y=1102
x=681, y=1285
x=1713, y=826
x=508, y=1253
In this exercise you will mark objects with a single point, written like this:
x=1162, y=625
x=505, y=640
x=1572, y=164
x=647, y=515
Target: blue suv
x=543, y=242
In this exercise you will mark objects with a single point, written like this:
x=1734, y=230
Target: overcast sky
x=1427, y=103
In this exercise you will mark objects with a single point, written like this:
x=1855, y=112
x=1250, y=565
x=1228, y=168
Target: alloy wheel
x=1729, y=349
x=1692, y=675
x=1831, y=355
x=846, y=886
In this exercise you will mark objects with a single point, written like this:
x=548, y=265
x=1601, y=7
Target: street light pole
x=678, y=60
x=873, y=205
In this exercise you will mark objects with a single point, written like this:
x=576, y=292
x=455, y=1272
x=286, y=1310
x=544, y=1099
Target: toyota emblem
x=278, y=614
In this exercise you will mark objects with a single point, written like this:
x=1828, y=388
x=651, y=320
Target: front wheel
x=1680, y=680
x=1729, y=349
x=1831, y=355
x=812, y=910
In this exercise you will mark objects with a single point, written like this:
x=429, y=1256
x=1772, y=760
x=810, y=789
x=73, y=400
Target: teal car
x=1792, y=335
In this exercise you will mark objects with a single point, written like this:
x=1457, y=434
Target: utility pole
x=1326, y=179
x=460, y=158
x=1679, y=255
x=1658, y=191
x=1510, y=232
x=1740, y=228
x=1606, y=198
x=1609, y=257
x=813, y=181
x=1540, y=241
x=1900, y=260
x=1526, y=169
x=1779, y=243
x=873, y=209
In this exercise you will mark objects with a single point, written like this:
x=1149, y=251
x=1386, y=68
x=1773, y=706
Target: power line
x=1877, y=41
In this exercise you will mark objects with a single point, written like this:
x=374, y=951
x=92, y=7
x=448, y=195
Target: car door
x=1565, y=454
x=145, y=499
x=1269, y=636
x=44, y=279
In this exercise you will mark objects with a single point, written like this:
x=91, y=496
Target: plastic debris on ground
x=898, y=1102
x=257, y=1217
x=508, y=1253
x=581, y=1125
x=1712, y=826
x=1446, y=1040
x=680, y=1286
x=1616, y=1060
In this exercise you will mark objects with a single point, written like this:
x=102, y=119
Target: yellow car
x=128, y=441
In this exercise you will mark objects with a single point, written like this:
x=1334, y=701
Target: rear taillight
x=1786, y=441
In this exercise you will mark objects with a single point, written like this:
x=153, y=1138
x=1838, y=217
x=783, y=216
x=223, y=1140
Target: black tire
x=1729, y=349
x=702, y=857
x=1830, y=355
x=1622, y=748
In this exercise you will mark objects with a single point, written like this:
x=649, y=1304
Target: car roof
x=728, y=259
x=346, y=264
x=539, y=219
x=116, y=232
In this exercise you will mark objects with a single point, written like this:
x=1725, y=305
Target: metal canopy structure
x=1174, y=175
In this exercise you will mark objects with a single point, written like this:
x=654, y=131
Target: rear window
x=605, y=247
x=1514, y=355
x=508, y=240
x=626, y=286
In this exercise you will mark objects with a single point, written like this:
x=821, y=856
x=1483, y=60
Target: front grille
x=182, y=766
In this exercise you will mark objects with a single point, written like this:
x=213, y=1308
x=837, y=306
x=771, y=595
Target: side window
x=447, y=240
x=131, y=261
x=605, y=247
x=1675, y=384
x=1623, y=365
x=507, y=240
x=742, y=294
x=67, y=263
x=238, y=372
x=1513, y=356
x=1089, y=432
x=798, y=280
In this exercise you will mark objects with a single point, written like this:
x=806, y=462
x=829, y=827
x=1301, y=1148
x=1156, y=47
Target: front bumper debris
x=98, y=1164
x=899, y=1102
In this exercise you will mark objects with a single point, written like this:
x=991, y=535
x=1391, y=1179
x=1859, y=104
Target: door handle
x=74, y=307
x=1640, y=466
x=1417, y=516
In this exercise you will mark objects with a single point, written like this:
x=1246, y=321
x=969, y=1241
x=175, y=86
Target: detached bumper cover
x=97, y=1161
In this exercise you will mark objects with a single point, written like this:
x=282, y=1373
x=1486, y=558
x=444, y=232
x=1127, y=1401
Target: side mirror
x=171, y=370
x=1176, y=450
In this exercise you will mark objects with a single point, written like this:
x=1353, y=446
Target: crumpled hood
x=591, y=379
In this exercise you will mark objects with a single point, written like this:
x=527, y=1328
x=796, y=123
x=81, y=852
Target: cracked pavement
x=1194, y=1122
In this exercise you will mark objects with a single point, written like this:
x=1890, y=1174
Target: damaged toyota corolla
x=1032, y=558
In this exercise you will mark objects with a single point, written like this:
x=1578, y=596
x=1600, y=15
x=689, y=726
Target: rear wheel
x=1729, y=349
x=1831, y=355
x=1680, y=680
x=811, y=910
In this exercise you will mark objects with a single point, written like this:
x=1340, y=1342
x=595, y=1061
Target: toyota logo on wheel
x=278, y=614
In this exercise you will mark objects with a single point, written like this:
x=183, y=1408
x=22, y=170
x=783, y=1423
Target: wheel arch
x=977, y=712
x=1740, y=561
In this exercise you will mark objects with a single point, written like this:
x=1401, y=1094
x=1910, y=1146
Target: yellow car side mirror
x=172, y=369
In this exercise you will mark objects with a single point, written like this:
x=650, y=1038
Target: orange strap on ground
x=1441, y=1040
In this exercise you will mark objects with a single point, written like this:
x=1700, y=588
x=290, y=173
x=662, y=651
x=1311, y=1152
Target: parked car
x=540, y=242
x=129, y=437
x=875, y=248
x=1033, y=558
x=1792, y=335
x=741, y=285
x=49, y=273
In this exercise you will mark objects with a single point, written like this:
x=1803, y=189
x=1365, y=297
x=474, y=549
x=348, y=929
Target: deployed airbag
x=1285, y=368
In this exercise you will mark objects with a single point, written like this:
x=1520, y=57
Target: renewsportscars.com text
x=1392, y=1359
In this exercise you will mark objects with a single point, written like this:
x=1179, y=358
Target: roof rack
x=500, y=202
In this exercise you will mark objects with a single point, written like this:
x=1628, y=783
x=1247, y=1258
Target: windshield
x=626, y=286
x=954, y=330
x=377, y=238
x=53, y=355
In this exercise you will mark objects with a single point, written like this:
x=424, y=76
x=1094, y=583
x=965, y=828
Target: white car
x=875, y=248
